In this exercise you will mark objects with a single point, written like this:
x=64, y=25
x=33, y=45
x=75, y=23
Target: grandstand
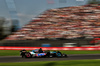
x=67, y=23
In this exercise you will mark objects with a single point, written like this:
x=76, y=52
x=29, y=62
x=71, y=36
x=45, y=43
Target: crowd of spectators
x=67, y=22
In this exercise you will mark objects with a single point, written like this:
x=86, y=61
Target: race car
x=36, y=53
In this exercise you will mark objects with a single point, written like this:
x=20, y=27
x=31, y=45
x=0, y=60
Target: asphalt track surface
x=70, y=57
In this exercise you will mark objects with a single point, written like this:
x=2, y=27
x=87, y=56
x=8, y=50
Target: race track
x=70, y=57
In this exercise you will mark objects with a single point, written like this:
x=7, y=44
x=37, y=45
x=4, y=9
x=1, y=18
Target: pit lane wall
x=49, y=48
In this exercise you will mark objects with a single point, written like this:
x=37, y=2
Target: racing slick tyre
x=59, y=55
x=28, y=55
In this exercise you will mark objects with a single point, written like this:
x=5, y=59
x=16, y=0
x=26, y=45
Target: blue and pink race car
x=40, y=53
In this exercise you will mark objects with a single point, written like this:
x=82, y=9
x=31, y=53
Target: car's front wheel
x=59, y=55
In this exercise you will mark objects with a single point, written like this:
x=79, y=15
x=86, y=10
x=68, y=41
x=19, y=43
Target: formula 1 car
x=35, y=53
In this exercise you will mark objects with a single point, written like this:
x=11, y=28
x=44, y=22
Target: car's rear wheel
x=28, y=55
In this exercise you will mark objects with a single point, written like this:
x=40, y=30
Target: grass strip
x=56, y=63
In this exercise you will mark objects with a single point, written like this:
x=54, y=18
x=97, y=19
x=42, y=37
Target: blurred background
x=16, y=14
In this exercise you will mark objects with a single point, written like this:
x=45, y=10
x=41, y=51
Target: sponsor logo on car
x=41, y=54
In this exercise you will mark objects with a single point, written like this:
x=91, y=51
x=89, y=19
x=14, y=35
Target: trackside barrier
x=49, y=48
